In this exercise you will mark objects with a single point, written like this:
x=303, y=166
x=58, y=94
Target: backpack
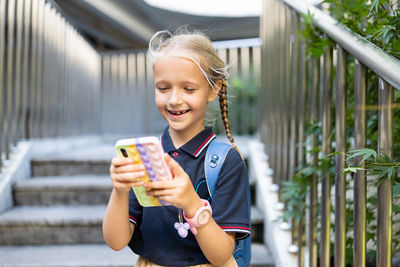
x=215, y=157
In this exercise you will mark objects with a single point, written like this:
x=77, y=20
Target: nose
x=175, y=98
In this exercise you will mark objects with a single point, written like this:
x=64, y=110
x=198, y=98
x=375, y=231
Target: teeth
x=178, y=112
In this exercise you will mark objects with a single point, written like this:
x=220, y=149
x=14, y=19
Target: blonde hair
x=196, y=46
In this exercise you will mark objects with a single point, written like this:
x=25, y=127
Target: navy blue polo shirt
x=155, y=237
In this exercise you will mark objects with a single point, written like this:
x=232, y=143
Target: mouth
x=178, y=112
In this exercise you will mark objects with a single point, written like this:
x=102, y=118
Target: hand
x=124, y=174
x=179, y=191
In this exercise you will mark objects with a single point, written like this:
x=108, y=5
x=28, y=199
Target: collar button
x=175, y=154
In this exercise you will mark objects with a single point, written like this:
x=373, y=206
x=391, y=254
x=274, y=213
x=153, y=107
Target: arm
x=216, y=245
x=117, y=229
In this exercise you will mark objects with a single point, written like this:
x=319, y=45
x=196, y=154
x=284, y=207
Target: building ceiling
x=129, y=24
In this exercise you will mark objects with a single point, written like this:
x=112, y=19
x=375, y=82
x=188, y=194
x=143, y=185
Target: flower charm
x=182, y=229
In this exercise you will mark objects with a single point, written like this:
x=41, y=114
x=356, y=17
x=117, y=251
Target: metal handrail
x=369, y=54
x=291, y=87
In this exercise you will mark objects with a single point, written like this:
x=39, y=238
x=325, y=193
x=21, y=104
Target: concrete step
x=66, y=167
x=91, y=160
x=27, y=225
x=40, y=225
x=63, y=190
x=94, y=255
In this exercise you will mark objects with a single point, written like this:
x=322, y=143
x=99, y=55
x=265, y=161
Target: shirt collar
x=193, y=147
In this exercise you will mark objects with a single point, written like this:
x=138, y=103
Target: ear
x=214, y=91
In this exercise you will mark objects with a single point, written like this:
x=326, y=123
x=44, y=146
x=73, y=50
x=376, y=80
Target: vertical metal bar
x=234, y=63
x=276, y=90
x=115, y=93
x=38, y=123
x=15, y=133
x=265, y=121
x=140, y=57
x=26, y=83
x=124, y=111
x=340, y=182
x=312, y=235
x=295, y=51
x=10, y=76
x=132, y=85
x=294, y=41
x=3, y=18
x=286, y=101
x=326, y=149
x=385, y=191
x=271, y=90
x=360, y=186
x=33, y=70
x=284, y=109
x=244, y=76
x=67, y=82
x=150, y=121
x=278, y=94
x=48, y=72
x=106, y=81
x=63, y=81
x=256, y=76
x=300, y=149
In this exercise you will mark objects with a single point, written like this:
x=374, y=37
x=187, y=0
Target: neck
x=179, y=138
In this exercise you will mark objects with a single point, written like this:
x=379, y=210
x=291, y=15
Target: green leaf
x=367, y=153
x=374, y=6
x=352, y=170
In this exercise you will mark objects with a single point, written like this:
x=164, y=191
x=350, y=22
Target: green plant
x=379, y=22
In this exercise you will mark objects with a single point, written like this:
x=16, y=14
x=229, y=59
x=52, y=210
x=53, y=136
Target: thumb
x=175, y=167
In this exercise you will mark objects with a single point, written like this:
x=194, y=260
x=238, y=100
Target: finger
x=128, y=176
x=160, y=193
x=177, y=170
x=117, y=161
x=159, y=185
x=130, y=168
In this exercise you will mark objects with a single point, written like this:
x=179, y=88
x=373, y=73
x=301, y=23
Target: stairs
x=57, y=215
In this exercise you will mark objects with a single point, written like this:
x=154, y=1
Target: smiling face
x=182, y=94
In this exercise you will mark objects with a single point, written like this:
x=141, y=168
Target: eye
x=162, y=88
x=189, y=89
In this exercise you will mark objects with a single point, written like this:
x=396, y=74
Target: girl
x=188, y=75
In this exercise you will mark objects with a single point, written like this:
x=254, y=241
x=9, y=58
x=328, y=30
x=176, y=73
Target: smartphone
x=146, y=151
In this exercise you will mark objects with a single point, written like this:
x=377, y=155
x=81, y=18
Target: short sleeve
x=230, y=200
x=135, y=209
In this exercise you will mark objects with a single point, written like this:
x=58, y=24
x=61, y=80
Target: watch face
x=203, y=217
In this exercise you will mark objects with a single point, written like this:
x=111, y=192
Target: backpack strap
x=215, y=157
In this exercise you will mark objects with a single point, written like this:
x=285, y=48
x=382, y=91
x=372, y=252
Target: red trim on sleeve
x=235, y=227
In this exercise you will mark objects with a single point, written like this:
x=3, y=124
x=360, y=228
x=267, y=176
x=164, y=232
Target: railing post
x=18, y=44
x=360, y=187
x=2, y=73
x=26, y=83
x=340, y=182
x=294, y=63
x=385, y=146
x=10, y=65
x=326, y=149
x=300, y=150
x=314, y=105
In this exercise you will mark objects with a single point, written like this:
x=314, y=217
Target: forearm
x=216, y=245
x=117, y=230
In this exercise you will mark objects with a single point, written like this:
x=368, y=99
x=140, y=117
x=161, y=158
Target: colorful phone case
x=146, y=151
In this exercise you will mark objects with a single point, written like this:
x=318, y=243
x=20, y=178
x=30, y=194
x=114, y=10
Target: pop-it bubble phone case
x=146, y=151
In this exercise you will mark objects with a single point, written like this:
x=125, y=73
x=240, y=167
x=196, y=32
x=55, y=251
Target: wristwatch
x=200, y=218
